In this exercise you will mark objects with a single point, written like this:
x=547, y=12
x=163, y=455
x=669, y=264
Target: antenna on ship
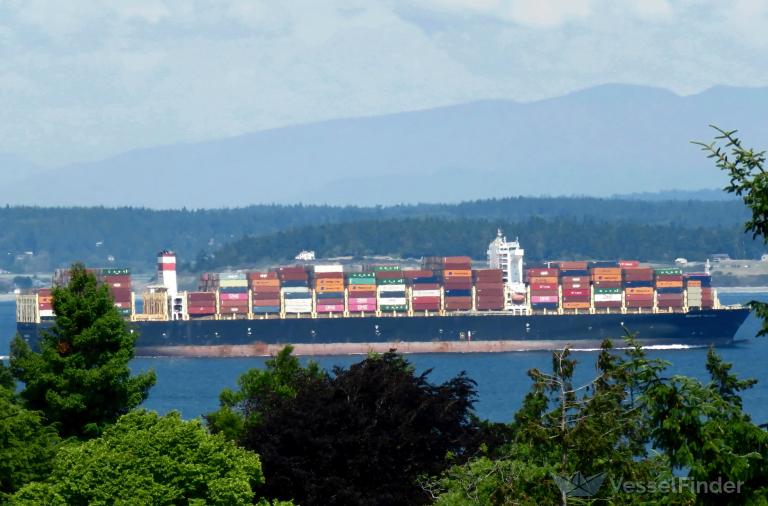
x=706, y=266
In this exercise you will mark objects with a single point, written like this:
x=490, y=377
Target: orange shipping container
x=639, y=291
x=265, y=282
x=543, y=279
x=458, y=273
x=45, y=300
x=694, y=283
x=606, y=277
x=362, y=288
x=606, y=271
x=669, y=284
x=575, y=305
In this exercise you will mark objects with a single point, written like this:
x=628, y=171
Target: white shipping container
x=392, y=301
x=46, y=312
x=329, y=268
x=426, y=293
x=607, y=297
x=295, y=289
x=390, y=288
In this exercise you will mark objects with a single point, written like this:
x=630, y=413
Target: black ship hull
x=476, y=332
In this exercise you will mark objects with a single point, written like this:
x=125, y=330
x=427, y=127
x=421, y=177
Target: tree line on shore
x=37, y=239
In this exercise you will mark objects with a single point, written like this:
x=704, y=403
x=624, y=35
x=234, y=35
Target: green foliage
x=360, y=436
x=245, y=407
x=26, y=445
x=148, y=459
x=556, y=238
x=703, y=428
x=748, y=180
x=80, y=378
x=133, y=236
x=608, y=425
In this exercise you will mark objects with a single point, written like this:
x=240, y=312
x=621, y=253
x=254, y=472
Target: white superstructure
x=508, y=256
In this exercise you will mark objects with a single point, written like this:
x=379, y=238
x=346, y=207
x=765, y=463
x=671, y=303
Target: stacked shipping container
x=575, y=285
x=638, y=287
x=425, y=290
x=489, y=289
x=390, y=288
x=201, y=304
x=233, y=293
x=606, y=284
x=543, y=283
x=669, y=288
x=361, y=291
x=294, y=287
x=265, y=292
x=457, y=283
x=45, y=302
x=699, y=289
x=329, y=288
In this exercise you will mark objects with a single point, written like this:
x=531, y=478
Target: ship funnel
x=166, y=271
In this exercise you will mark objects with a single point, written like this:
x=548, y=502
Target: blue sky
x=85, y=79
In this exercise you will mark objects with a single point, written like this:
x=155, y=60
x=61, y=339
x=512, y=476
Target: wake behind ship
x=444, y=306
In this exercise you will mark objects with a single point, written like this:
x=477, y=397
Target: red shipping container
x=329, y=275
x=490, y=307
x=607, y=284
x=628, y=264
x=536, y=273
x=426, y=307
x=543, y=286
x=426, y=286
x=495, y=292
x=458, y=285
x=421, y=273
x=669, y=277
x=640, y=303
x=266, y=302
x=201, y=310
x=262, y=275
x=294, y=276
x=200, y=296
x=485, y=284
x=545, y=293
x=570, y=292
x=573, y=266
x=459, y=306
x=233, y=296
x=575, y=279
x=426, y=300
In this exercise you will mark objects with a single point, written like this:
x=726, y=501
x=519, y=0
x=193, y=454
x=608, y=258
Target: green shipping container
x=669, y=272
x=378, y=268
x=362, y=281
x=361, y=275
x=607, y=290
x=393, y=308
x=398, y=281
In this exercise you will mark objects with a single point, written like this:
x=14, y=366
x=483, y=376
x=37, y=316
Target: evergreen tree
x=80, y=379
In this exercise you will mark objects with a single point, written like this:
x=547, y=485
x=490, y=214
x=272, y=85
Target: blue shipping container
x=458, y=293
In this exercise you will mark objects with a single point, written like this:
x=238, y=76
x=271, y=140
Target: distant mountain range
x=602, y=141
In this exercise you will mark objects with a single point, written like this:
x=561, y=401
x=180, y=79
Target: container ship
x=443, y=305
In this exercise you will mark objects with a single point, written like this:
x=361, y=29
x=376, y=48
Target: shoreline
x=741, y=289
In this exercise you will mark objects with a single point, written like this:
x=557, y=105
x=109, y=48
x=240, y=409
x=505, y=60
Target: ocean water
x=192, y=385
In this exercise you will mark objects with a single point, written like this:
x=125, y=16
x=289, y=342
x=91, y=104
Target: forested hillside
x=557, y=238
x=35, y=238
